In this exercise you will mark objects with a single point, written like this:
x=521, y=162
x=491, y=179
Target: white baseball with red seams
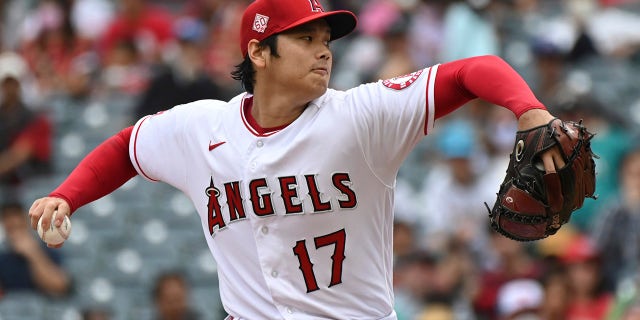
x=295, y=217
x=55, y=235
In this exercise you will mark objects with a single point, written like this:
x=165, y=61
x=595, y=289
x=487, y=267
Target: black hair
x=245, y=72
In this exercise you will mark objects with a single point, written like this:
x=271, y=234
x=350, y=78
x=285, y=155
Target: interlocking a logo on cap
x=260, y=23
x=316, y=6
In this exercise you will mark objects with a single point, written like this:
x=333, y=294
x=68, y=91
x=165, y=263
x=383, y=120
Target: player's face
x=305, y=59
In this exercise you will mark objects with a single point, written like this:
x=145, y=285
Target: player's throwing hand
x=44, y=208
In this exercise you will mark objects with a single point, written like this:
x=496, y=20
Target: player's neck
x=247, y=106
x=273, y=110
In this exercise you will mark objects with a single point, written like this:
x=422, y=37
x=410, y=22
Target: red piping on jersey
x=244, y=119
x=135, y=148
x=426, y=120
x=251, y=124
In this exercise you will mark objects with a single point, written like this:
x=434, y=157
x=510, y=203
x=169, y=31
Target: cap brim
x=341, y=22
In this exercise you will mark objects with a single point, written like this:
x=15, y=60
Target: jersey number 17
x=337, y=239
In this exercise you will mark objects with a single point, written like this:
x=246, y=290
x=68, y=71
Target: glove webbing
x=532, y=220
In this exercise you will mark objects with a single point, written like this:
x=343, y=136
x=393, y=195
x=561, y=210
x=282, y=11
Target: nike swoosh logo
x=213, y=146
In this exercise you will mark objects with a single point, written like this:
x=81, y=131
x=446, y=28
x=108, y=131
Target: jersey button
x=274, y=274
x=259, y=143
x=289, y=310
x=265, y=230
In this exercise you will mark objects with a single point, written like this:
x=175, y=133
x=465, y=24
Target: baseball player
x=293, y=181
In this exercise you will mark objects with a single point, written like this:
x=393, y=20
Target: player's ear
x=257, y=53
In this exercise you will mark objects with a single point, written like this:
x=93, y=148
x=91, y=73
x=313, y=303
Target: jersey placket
x=265, y=228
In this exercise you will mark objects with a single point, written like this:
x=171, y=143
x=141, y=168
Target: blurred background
x=75, y=72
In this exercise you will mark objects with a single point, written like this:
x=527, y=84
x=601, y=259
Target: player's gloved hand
x=551, y=158
x=44, y=207
x=550, y=173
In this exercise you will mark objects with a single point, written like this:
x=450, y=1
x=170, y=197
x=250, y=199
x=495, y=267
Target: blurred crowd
x=581, y=58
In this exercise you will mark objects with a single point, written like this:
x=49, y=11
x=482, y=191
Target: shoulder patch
x=402, y=82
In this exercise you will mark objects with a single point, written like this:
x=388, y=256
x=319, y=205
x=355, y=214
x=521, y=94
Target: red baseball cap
x=580, y=249
x=264, y=18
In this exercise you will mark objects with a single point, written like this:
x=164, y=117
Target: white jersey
x=299, y=220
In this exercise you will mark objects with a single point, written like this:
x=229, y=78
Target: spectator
x=454, y=285
x=92, y=17
x=398, y=59
x=556, y=290
x=426, y=31
x=183, y=79
x=25, y=136
x=51, y=45
x=430, y=286
x=221, y=18
x=26, y=264
x=626, y=305
x=633, y=313
x=445, y=218
x=615, y=29
x=133, y=43
x=520, y=299
x=96, y=313
x=589, y=300
x=171, y=298
x=437, y=312
x=414, y=278
x=612, y=140
x=550, y=68
x=616, y=230
x=381, y=50
x=468, y=30
x=404, y=238
x=124, y=71
x=513, y=261
x=147, y=27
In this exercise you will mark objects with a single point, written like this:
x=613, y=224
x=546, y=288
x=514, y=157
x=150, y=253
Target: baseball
x=53, y=235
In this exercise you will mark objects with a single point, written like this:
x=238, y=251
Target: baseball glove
x=533, y=204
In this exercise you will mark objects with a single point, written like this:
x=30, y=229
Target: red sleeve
x=101, y=172
x=486, y=77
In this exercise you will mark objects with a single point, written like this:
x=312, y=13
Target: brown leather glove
x=533, y=204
